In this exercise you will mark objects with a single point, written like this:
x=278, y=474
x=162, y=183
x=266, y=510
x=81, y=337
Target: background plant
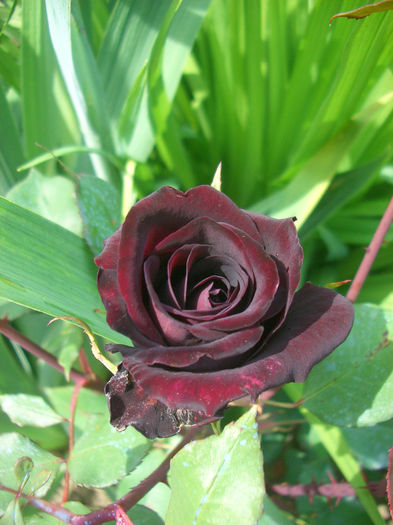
x=134, y=95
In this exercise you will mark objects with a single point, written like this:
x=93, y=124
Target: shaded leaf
x=202, y=482
x=99, y=204
x=141, y=515
x=369, y=444
x=273, y=515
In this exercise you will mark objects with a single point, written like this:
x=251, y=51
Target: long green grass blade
x=48, y=118
x=82, y=80
x=48, y=268
x=11, y=154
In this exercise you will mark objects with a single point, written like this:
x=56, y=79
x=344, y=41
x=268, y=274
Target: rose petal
x=129, y=406
x=248, y=254
x=317, y=322
x=117, y=315
x=109, y=256
x=183, y=356
x=281, y=240
x=151, y=220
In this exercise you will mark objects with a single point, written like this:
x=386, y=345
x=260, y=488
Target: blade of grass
x=47, y=114
x=49, y=269
x=10, y=147
x=82, y=80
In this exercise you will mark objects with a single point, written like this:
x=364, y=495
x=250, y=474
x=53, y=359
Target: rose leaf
x=201, y=477
x=273, y=515
x=102, y=455
x=12, y=447
x=354, y=385
x=23, y=410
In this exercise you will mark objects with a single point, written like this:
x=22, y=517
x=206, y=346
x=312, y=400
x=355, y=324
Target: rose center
x=217, y=295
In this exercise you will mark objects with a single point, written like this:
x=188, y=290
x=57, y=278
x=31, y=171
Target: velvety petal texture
x=206, y=292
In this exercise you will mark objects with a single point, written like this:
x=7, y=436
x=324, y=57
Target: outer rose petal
x=281, y=240
x=182, y=356
x=318, y=321
x=150, y=221
x=128, y=405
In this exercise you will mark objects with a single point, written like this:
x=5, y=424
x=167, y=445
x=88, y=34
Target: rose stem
x=36, y=350
x=58, y=512
x=74, y=399
x=371, y=253
x=129, y=500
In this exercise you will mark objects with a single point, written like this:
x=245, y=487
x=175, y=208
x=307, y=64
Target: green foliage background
x=133, y=95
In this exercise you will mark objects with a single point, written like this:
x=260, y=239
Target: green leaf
x=82, y=79
x=13, y=379
x=29, y=410
x=11, y=154
x=202, y=482
x=12, y=447
x=50, y=120
x=304, y=191
x=52, y=197
x=22, y=468
x=370, y=444
x=99, y=205
x=273, y=515
x=12, y=514
x=141, y=515
x=64, y=277
x=90, y=405
x=354, y=385
x=64, y=340
x=341, y=189
x=333, y=439
x=102, y=455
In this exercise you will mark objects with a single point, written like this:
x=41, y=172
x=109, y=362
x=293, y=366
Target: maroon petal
x=151, y=220
x=246, y=252
x=317, y=322
x=109, y=256
x=129, y=406
x=183, y=356
x=117, y=315
x=281, y=240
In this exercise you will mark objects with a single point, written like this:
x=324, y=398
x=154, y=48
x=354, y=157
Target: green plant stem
x=371, y=253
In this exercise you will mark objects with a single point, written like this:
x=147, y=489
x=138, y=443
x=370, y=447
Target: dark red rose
x=206, y=292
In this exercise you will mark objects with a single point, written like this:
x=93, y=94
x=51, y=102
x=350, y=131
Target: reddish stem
x=36, y=350
x=71, y=419
x=58, y=512
x=371, y=253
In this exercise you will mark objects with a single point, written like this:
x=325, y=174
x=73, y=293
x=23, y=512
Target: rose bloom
x=206, y=293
